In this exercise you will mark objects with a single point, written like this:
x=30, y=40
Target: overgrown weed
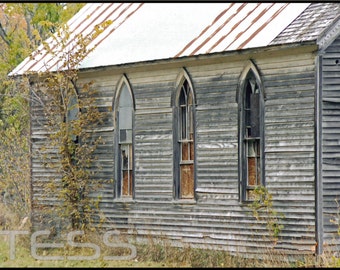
x=150, y=254
x=154, y=252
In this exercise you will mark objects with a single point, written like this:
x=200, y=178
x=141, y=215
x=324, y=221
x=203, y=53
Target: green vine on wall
x=262, y=209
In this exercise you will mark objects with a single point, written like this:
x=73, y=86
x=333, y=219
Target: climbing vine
x=262, y=209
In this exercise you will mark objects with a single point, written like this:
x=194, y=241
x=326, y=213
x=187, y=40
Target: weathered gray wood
x=217, y=218
x=330, y=142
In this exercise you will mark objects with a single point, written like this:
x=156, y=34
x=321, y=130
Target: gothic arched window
x=185, y=138
x=251, y=134
x=124, y=134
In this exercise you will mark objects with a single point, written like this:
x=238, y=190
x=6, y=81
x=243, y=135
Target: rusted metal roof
x=151, y=31
x=244, y=25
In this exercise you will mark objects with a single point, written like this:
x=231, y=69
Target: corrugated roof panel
x=155, y=31
x=239, y=25
x=82, y=23
x=117, y=13
x=276, y=24
x=260, y=19
x=150, y=31
x=214, y=31
x=243, y=26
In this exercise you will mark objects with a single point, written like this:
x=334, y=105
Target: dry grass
x=150, y=254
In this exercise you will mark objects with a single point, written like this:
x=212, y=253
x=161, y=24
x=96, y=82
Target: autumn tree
x=68, y=119
x=23, y=26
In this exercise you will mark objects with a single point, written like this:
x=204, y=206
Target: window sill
x=184, y=201
x=124, y=200
x=246, y=203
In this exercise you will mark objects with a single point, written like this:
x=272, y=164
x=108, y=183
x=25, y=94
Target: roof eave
x=329, y=34
x=244, y=53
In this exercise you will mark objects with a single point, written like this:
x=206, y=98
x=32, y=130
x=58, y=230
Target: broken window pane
x=186, y=142
x=125, y=121
x=252, y=140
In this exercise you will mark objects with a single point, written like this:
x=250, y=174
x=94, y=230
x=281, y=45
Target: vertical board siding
x=331, y=144
x=216, y=219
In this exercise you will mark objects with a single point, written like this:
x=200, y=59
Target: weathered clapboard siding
x=41, y=174
x=153, y=170
x=330, y=143
x=289, y=145
x=216, y=219
x=299, y=70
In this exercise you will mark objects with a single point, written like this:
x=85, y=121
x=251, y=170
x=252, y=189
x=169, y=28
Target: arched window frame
x=70, y=118
x=251, y=167
x=184, y=184
x=72, y=114
x=124, y=184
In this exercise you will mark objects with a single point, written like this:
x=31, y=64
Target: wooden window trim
x=184, y=158
x=248, y=134
x=124, y=142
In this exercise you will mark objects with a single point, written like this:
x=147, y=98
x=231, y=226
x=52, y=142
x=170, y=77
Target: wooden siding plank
x=217, y=218
x=330, y=140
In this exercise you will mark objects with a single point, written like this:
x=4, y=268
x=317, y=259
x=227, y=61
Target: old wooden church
x=207, y=102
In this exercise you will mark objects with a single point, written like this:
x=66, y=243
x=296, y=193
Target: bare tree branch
x=3, y=35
